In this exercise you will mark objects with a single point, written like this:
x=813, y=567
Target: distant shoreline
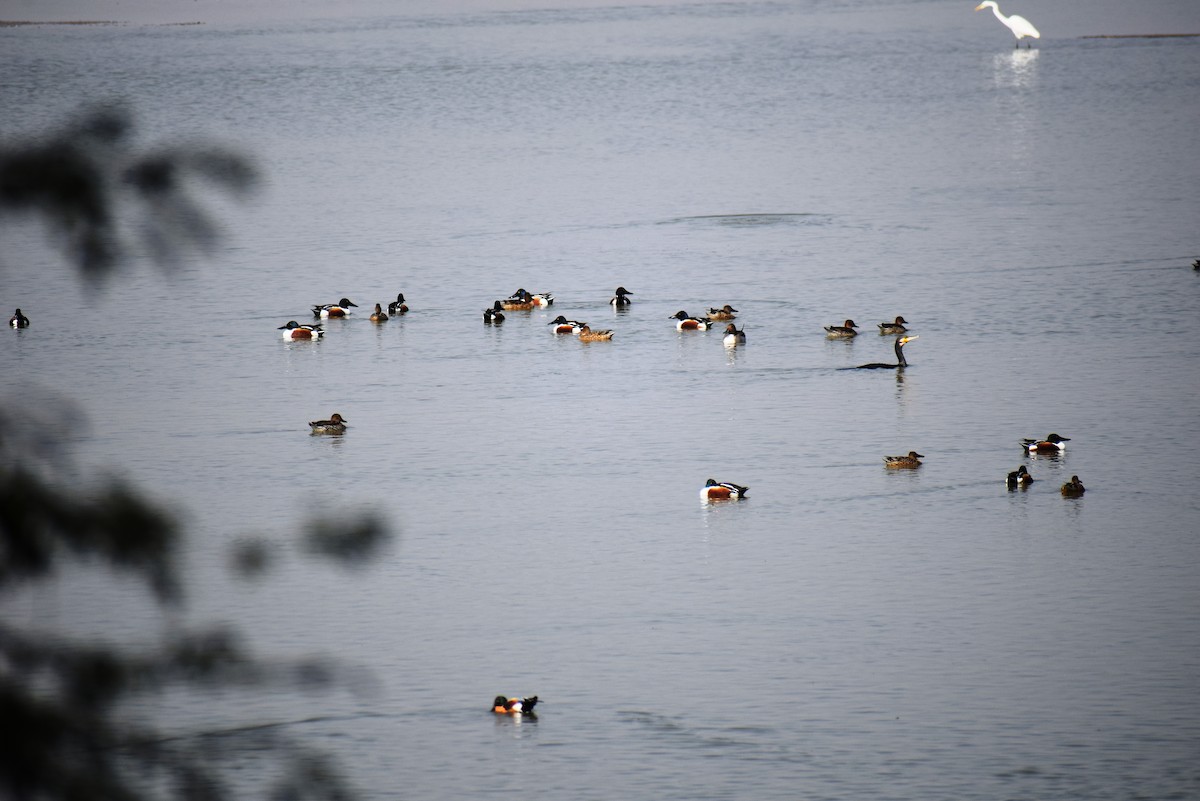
x=13, y=23
x=1139, y=35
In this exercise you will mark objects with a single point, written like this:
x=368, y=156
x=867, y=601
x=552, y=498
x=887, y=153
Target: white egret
x=1020, y=26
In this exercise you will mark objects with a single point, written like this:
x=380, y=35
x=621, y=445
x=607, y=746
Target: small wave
x=753, y=220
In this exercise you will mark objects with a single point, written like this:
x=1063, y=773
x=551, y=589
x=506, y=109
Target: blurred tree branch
x=80, y=181
x=63, y=735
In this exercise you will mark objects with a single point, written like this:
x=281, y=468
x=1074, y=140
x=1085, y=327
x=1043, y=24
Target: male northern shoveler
x=688, y=323
x=722, y=491
x=514, y=706
x=339, y=309
x=294, y=331
x=18, y=320
x=620, y=297
x=378, y=316
x=893, y=328
x=1053, y=443
x=398, y=306
x=539, y=299
x=515, y=304
x=336, y=424
x=841, y=331
x=493, y=315
x=564, y=326
x=588, y=335
x=1073, y=488
x=734, y=336
x=1019, y=478
x=726, y=312
x=901, y=362
x=912, y=460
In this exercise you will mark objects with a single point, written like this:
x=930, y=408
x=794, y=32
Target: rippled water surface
x=846, y=632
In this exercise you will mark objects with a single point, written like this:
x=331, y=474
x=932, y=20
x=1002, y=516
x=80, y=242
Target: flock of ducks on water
x=713, y=490
x=1052, y=445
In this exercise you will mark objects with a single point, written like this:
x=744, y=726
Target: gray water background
x=846, y=632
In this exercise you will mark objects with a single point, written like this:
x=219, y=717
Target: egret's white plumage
x=1019, y=26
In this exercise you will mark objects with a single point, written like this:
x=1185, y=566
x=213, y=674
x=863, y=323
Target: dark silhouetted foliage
x=83, y=180
x=62, y=734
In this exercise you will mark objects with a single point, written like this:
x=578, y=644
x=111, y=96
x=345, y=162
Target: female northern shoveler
x=734, y=336
x=1019, y=478
x=588, y=335
x=726, y=312
x=687, y=323
x=620, y=298
x=901, y=362
x=378, y=316
x=722, y=491
x=893, y=328
x=841, y=331
x=912, y=460
x=398, y=306
x=336, y=424
x=514, y=706
x=18, y=320
x=294, y=331
x=564, y=326
x=1073, y=488
x=339, y=309
x=1053, y=443
x=493, y=315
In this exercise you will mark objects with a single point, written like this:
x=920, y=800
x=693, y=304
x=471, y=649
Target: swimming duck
x=18, y=320
x=1019, y=478
x=911, y=461
x=516, y=304
x=339, y=309
x=841, y=331
x=564, y=326
x=686, y=323
x=540, y=299
x=1053, y=443
x=398, y=306
x=588, y=335
x=901, y=362
x=734, y=336
x=893, y=328
x=620, y=298
x=378, y=316
x=294, y=331
x=726, y=312
x=722, y=491
x=1196, y=264
x=336, y=424
x=1073, y=488
x=514, y=706
x=493, y=315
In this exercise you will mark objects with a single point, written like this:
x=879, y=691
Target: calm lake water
x=846, y=632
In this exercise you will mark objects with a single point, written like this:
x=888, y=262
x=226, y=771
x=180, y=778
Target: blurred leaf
x=353, y=542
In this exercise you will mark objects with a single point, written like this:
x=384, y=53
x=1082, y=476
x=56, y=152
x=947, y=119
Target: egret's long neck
x=999, y=16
